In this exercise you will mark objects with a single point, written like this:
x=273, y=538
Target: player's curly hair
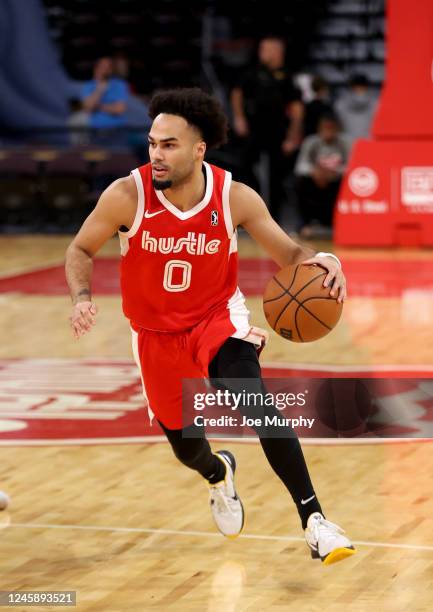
x=197, y=107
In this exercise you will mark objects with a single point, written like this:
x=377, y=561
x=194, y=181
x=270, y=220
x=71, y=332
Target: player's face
x=175, y=148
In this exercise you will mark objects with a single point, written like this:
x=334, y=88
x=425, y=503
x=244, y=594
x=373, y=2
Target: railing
x=46, y=181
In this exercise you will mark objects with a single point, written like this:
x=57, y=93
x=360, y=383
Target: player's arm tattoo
x=78, y=273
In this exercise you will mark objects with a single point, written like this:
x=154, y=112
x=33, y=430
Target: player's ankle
x=306, y=507
x=218, y=472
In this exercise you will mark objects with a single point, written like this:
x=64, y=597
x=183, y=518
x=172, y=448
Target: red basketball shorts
x=165, y=358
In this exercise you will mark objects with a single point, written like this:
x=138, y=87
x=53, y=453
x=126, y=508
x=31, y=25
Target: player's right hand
x=83, y=318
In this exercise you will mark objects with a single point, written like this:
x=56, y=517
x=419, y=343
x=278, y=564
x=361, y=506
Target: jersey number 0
x=177, y=264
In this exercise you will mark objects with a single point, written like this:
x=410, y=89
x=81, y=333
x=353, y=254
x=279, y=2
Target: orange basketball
x=297, y=305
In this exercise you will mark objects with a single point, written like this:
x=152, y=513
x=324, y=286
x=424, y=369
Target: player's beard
x=179, y=177
x=161, y=185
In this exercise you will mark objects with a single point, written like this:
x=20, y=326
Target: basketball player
x=177, y=218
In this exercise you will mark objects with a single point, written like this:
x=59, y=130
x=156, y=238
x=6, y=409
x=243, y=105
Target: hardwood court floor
x=130, y=530
x=375, y=328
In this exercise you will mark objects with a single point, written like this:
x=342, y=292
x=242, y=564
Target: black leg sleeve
x=195, y=453
x=238, y=359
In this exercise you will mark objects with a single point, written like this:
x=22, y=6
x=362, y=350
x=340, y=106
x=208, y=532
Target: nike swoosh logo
x=148, y=215
x=305, y=501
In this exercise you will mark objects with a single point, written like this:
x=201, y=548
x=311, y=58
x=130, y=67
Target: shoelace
x=332, y=529
x=222, y=501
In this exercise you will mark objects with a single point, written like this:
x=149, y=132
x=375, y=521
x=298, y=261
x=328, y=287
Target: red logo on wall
x=363, y=181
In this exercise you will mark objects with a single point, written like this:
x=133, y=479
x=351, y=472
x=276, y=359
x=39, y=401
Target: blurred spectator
x=105, y=97
x=231, y=49
x=320, y=105
x=356, y=108
x=122, y=70
x=137, y=116
x=121, y=66
x=267, y=116
x=78, y=122
x=319, y=168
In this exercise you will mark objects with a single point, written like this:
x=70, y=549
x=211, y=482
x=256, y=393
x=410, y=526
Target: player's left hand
x=335, y=277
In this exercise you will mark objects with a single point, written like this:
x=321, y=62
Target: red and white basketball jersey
x=177, y=267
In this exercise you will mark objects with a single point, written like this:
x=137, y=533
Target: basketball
x=297, y=305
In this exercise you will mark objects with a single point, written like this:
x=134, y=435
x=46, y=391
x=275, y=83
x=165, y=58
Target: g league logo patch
x=214, y=217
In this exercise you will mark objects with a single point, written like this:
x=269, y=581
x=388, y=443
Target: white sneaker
x=226, y=507
x=326, y=541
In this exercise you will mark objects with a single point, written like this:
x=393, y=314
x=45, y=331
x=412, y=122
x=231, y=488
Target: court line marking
x=158, y=438
x=20, y=270
x=246, y=536
x=283, y=366
x=347, y=368
x=319, y=367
